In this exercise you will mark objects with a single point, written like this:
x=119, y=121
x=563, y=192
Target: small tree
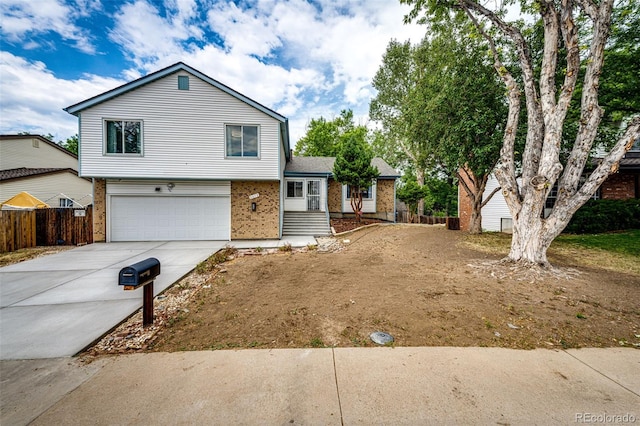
x=410, y=193
x=353, y=168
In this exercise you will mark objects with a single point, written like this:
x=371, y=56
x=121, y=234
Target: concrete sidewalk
x=57, y=305
x=329, y=386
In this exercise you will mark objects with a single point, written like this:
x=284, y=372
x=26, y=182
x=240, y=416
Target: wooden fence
x=406, y=217
x=45, y=227
x=18, y=230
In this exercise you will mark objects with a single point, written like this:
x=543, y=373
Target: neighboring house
x=176, y=155
x=33, y=164
x=624, y=184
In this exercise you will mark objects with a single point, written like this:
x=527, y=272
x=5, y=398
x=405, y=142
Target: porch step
x=306, y=223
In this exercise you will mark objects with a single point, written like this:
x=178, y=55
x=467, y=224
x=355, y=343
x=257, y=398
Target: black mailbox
x=139, y=274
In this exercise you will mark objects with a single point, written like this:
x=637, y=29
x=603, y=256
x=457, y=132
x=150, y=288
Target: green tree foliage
x=442, y=108
x=353, y=168
x=410, y=193
x=325, y=137
x=71, y=144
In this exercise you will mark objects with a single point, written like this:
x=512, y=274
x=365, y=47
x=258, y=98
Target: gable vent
x=183, y=82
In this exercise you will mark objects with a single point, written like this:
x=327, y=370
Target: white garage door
x=148, y=218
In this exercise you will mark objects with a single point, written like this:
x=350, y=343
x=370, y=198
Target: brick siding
x=264, y=223
x=385, y=206
x=99, y=210
x=335, y=197
x=619, y=186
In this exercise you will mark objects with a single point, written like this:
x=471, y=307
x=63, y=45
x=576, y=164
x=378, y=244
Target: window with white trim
x=123, y=137
x=242, y=141
x=295, y=189
x=367, y=193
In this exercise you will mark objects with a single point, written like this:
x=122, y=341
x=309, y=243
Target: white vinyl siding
x=184, y=134
x=495, y=209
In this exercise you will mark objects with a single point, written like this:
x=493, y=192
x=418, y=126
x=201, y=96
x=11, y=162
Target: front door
x=313, y=195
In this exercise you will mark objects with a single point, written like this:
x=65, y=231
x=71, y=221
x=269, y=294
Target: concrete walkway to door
x=57, y=305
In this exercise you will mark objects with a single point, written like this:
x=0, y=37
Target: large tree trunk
x=474, y=187
x=420, y=179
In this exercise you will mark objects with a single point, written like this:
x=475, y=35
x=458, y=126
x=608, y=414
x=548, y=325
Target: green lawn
x=626, y=242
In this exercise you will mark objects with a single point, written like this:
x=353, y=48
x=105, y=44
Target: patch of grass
x=618, y=251
x=316, y=342
x=312, y=247
x=285, y=248
x=626, y=243
x=580, y=315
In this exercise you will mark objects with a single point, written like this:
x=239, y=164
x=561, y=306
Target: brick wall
x=264, y=223
x=465, y=206
x=385, y=199
x=335, y=197
x=619, y=186
x=99, y=210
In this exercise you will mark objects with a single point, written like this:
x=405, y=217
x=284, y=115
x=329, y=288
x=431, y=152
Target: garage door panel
x=137, y=218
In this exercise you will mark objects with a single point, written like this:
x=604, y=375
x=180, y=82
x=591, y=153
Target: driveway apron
x=57, y=305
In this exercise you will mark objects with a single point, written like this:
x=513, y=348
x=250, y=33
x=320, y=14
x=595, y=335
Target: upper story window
x=242, y=141
x=636, y=145
x=367, y=193
x=123, y=137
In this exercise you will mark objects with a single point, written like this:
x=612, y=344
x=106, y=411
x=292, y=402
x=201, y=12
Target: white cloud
x=24, y=19
x=33, y=98
x=301, y=59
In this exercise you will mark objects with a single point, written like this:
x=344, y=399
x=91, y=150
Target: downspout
x=326, y=203
x=395, y=207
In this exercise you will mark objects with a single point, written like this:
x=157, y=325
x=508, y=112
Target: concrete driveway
x=57, y=305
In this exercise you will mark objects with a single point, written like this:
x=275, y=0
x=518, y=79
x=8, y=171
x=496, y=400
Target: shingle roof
x=630, y=163
x=301, y=166
x=23, y=172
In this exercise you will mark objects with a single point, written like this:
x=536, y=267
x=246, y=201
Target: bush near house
x=598, y=216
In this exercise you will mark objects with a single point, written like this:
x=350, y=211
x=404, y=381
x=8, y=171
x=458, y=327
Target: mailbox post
x=142, y=274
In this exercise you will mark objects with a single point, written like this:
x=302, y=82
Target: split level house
x=42, y=169
x=177, y=155
x=621, y=185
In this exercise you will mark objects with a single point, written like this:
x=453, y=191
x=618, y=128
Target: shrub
x=598, y=216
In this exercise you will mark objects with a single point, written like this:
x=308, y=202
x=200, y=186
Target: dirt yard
x=424, y=285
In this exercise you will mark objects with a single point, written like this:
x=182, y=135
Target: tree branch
x=590, y=112
x=589, y=7
x=535, y=123
x=569, y=205
x=506, y=172
x=490, y=196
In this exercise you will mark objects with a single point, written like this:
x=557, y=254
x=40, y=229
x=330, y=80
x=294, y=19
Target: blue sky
x=304, y=59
